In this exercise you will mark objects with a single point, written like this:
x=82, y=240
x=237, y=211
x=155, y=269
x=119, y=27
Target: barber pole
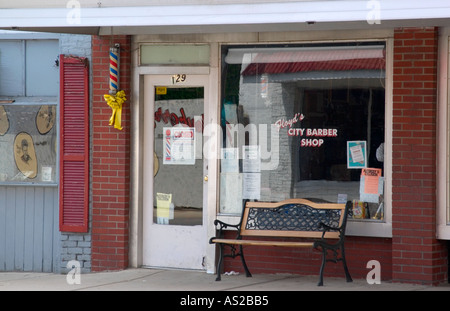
x=168, y=156
x=114, y=69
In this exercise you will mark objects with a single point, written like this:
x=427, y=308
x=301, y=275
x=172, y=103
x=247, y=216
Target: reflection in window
x=289, y=115
x=28, y=68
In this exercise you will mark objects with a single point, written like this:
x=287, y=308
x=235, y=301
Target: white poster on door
x=179, y=145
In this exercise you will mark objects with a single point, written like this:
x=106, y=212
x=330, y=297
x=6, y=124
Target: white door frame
x=209, y=213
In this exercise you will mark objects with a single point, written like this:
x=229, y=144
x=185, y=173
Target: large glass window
x=303, y=121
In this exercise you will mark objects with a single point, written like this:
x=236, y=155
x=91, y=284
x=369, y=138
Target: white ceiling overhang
x=235, y=17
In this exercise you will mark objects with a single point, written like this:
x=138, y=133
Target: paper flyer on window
x=356, y=154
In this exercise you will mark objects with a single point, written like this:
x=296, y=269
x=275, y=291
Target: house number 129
x=178, y=78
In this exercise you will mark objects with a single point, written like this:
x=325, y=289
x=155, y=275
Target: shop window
x=304, y=121
x=28, y=111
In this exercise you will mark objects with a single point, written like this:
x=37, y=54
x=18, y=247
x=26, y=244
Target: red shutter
x=74, y=145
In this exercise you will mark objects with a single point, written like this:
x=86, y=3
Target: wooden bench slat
x=262, y=204
x=290, y=234
x=264, y=243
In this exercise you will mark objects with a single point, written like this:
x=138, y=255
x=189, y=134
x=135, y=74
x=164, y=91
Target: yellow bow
x=115, y=102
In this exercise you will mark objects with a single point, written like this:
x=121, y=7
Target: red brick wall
x=110, y=160
x=305, y=261
x=417, y=256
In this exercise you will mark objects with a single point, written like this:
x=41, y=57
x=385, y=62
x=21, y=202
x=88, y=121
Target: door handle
x=205, y=178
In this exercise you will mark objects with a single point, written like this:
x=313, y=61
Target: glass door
x=174, y=196
x=178, y=176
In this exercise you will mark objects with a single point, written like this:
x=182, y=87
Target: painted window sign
x=167, y=116
x=282, y=123
x=179, y=145
x=311, y=133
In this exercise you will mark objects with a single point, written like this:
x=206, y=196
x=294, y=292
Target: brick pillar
x=110, y=160
x=417, y=256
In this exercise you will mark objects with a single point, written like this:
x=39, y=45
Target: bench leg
x=219, y=264
x=344, y=263
x=247, y=272
x=322, y=267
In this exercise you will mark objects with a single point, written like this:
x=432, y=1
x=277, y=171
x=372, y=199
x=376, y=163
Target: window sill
x=31, y=100
x=28, y=184
x=369, y=228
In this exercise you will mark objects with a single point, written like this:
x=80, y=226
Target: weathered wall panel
x=29, y=236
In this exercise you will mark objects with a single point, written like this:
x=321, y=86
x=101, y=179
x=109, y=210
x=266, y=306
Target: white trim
x=171, y=70
x=443, y=229
x=139, y=149
x=228, y=14
x=136, y=167
x=24, y=35
x=372, y=228
x=158, y=240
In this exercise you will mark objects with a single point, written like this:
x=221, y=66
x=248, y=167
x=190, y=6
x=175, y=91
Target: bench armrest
x=223, y=225
x=327, y=228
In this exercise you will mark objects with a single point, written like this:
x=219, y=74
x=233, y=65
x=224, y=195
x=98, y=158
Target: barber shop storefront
x=288, y=121
x=215, y=114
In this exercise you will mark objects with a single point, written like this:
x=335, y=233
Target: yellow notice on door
x=163, y=202
x=161, y=90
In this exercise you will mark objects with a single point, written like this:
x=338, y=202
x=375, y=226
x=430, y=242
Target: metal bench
x=323, y=224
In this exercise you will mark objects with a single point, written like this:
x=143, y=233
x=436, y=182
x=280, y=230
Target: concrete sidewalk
x=182, y=280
